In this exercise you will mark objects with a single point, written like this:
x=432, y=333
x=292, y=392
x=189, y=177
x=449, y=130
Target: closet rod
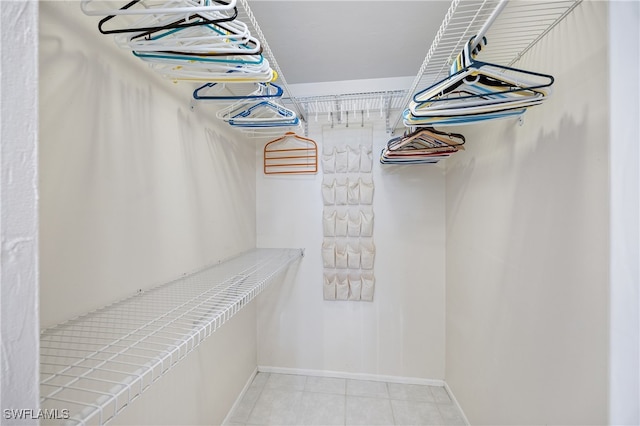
x=488, y=23
x=271, y=57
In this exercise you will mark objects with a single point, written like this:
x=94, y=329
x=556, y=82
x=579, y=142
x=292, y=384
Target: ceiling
x=323, y=41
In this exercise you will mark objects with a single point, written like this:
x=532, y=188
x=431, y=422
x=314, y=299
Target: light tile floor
x=284, y=399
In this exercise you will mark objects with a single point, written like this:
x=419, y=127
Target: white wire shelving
x=246, y=15
x=351, y=108
x=511, y=31
x=93, y=366
x=517, y=27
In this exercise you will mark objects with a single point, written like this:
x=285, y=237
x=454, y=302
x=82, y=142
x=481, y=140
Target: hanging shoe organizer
x=348, y=250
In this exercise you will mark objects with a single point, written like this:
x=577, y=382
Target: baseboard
x=239, y=398
x=455, y=401
x=356, y=376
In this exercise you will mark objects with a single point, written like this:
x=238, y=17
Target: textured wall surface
x=18, y=209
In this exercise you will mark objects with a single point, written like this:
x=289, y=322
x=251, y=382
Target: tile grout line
x=393, y=415
x=306, y=391
x=344, y=418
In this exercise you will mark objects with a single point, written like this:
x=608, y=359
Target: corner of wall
x=19, y=209
x=624, y=90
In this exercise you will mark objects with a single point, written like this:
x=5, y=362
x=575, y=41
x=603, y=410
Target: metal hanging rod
x=483, y=31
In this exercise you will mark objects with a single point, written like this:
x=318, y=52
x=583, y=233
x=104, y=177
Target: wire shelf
x=93, y=366
x=518, y=27
x=246, y=15
x=355, y=108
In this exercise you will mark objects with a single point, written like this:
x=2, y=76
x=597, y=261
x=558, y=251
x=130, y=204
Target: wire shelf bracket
x=94, y=366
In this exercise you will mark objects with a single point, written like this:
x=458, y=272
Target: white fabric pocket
x=368, y=283
x=353, y=160
x=354, y=225
x=329, y=162
x=366, y=191
x=329, y=192
x=342, y=288
x=329, y=223
x=367, y=255
x=329, y=287
x=341, y=159
x=366, y=224
x=342, y=222
x=341, y=192
x=328, y=254
x=353, y=256
x=353, y=191
x=341, y=259
x=366, y=159
x=355, y=287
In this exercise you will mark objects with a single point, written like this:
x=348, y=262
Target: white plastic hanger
x=154, y=7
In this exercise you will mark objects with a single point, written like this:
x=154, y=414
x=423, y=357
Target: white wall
x=137, y=189
x=18, y=208
x=624, y=46
x=400, y=333
x=201, y=389
x=528, y=245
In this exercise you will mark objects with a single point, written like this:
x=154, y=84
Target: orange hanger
x=291, y=154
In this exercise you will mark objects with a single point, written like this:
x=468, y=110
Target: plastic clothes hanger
x=261, y=113
x=201, y=73
x=480, y=85
x=262, y=91
x=290, y=154
x=428, y=138
x=253, y=60
x=223, y=39
x=478, y=90
x=151, y=23
x=154, y=7
x=410, y=120
x=424, y=146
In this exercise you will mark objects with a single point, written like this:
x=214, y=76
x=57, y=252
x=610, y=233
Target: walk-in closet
x=270, y=212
